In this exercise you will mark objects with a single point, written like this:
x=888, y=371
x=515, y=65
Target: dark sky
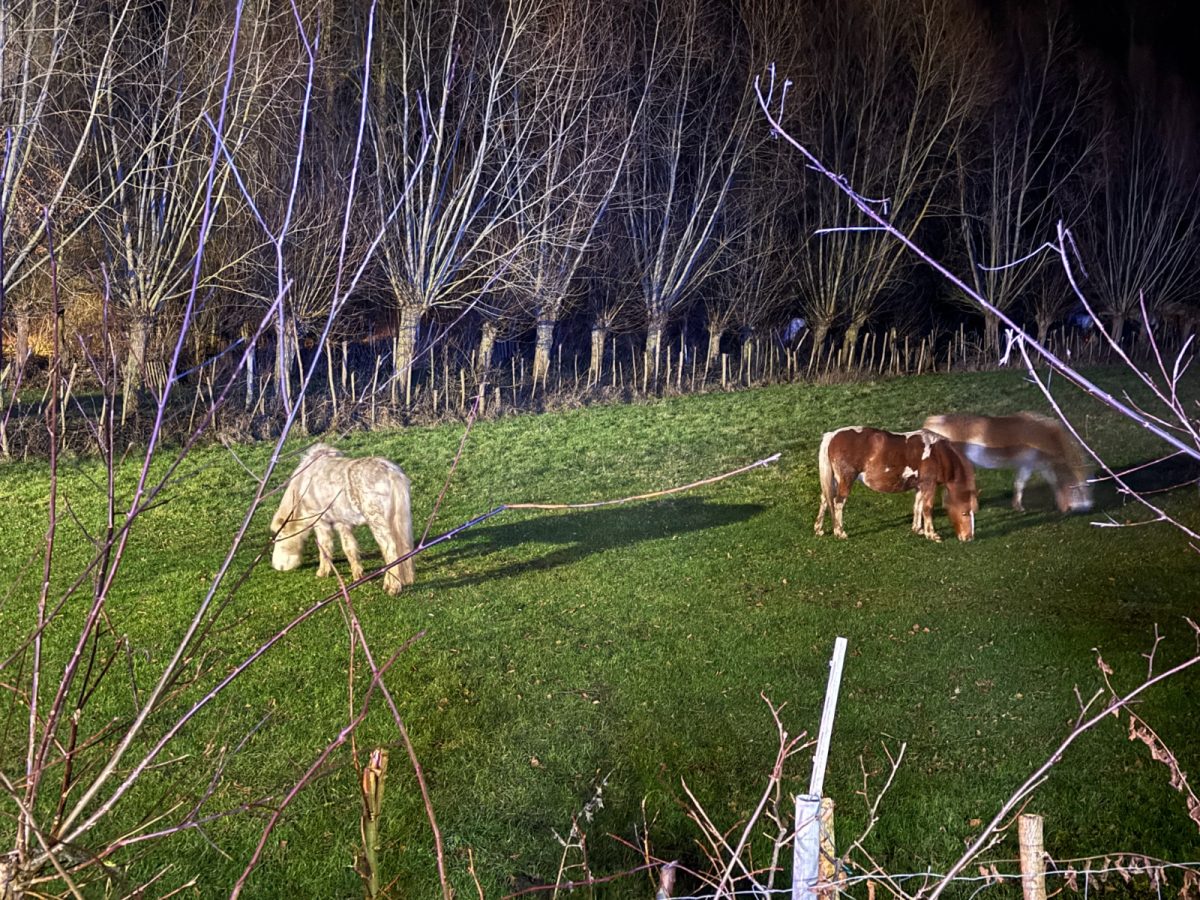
x=1165, y=28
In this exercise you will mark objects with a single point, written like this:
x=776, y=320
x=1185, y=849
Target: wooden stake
x=374, y=777
x=827, y=870
x=1033, y=857
x=329, y=374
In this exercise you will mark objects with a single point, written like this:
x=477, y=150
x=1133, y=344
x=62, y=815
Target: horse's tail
x=828, y=480
x=401, y=525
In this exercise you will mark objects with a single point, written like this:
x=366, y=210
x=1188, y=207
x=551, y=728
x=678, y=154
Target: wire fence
x=1137, y=875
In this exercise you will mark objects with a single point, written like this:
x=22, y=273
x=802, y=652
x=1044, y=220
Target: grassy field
x=630, y=645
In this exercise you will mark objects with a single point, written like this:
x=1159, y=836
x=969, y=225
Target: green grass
x=633, y=642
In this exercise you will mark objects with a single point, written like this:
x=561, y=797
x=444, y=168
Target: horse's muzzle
x=283, y=560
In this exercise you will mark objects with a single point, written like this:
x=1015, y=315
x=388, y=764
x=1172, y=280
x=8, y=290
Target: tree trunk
x=135, y=364
x=21, y=348
x=849, y=341
x=596, y=364
x=1043, y=328
x=487, y=347
x=250, y=359
x=991, y=333
x=654, y=339
x=820, y=331
x=407, y=327
x=285, y=357
x=1117, y=329
x=714, y=345
x=541, y=352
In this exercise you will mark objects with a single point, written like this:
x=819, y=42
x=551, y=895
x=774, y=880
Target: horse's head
x=962, y=497
x=1074, y=494
x=288, y=550
x=1072, y=487
x=961, y=505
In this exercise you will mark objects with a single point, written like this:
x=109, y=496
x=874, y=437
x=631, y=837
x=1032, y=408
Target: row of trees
x=501, y=168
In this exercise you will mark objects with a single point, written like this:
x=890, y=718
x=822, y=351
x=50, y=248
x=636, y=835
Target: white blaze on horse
x=330, y=492
x=1025, y=442
x=894, y=463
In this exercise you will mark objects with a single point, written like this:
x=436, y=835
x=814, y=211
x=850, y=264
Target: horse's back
x=887, y=461
x=376, y=481
x=1000, y=441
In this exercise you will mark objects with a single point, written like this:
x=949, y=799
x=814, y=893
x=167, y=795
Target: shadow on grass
x=995, y=518
x=1157, y=476
x=578, y=534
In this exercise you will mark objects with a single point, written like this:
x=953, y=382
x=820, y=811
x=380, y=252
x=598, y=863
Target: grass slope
x=633, y=643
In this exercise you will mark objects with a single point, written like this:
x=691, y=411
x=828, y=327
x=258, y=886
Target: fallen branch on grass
x=457, y=530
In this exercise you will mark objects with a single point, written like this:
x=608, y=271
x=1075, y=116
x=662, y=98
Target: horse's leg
x=350, y=548
x=926, y=498
x=839, y=504
x=1019, y=483
x=819, y=528
x=387, y=547
x=918, y=518
x=324, y=549
x=845, y=481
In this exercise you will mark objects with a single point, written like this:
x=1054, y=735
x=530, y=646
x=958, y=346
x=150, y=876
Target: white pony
x=332, y=492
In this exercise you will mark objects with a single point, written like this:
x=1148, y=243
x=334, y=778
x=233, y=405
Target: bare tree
x=691, y=146
x=154, y=149
x=756, y=279
x=309, y=259
x=1032, y=167
x=1140, y=243
x=575, y=154
x=448, y=82
x=891, y=95
x=57, y=59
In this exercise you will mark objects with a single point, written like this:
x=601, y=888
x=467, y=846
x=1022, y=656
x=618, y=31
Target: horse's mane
x=319, y=450
x=957, y=464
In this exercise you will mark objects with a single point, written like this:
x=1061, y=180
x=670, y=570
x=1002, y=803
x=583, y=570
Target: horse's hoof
x=840, y=535
x=819, y=532
x=936, y=538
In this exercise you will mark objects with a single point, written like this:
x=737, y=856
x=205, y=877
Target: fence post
x=1033, y=857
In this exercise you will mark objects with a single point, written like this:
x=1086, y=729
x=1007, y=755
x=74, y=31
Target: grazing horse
x=332, y=492
x=1028, y=443
x=892, y=463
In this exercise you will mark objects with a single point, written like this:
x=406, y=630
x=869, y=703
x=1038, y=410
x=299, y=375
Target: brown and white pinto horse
x=1025, y=442
x=893, y=463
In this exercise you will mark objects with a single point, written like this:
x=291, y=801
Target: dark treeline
x=475, y=186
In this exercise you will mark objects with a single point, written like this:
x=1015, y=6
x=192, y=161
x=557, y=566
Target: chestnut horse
x=892, y=463
x=329, y=492
x=1025, y=442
